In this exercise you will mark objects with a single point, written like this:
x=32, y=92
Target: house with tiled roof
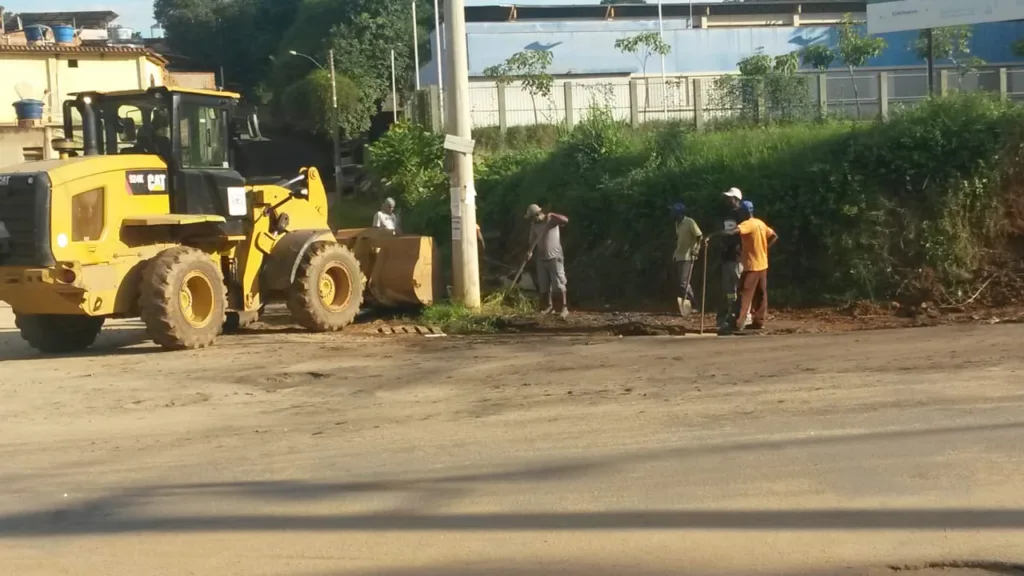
x=50, y=56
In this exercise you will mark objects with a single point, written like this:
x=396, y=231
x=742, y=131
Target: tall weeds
x=862, y=209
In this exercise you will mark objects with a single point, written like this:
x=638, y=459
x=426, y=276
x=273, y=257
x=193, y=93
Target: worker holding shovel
x=688, y=237
x=546, y=237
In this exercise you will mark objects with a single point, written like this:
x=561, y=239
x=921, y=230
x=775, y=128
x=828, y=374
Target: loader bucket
x=399, y=270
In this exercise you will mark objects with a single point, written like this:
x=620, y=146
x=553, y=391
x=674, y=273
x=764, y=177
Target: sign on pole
x=924, y=14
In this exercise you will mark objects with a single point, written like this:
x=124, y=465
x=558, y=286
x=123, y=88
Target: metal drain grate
x=413, y=330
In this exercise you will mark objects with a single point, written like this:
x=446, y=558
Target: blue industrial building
x=710, y=43
x=581, y=38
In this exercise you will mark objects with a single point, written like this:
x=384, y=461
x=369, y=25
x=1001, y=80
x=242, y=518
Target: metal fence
x=867, y=94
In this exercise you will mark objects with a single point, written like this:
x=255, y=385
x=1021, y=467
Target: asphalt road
x=312, y=455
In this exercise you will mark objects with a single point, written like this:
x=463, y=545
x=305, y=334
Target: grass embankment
x=496, y=308
x=923, y=206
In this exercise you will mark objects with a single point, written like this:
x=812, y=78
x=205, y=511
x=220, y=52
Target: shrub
x=409, y=163
x=863, y=210
x=307, y=104
x=489, y=139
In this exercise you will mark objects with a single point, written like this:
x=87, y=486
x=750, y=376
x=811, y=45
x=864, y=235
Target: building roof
x=85, y=49
x=82, y=19
x=518, y=13
x=174, y=89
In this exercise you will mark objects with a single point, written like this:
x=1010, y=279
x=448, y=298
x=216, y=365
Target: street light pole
x=416, y=44
x=930, y=47
x=664, y=82
x=394, y=90
x=465, y=263
x=335, y=136
x=438, y=33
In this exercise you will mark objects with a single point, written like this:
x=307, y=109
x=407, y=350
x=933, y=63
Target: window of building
x=204, y=142
x=32, y=153
x=72, y=63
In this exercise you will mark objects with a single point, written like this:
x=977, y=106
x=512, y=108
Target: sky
x=138, y=14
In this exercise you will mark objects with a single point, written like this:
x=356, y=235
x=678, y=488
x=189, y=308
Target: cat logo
x=156, y=182
x=143, y=182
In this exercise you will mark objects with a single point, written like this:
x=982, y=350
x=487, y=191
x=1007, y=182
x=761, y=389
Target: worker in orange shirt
x=756, y=237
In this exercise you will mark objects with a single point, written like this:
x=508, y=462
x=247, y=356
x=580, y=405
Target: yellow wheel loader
x=144, y=216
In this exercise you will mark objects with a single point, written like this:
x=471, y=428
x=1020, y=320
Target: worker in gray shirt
x=546, y=238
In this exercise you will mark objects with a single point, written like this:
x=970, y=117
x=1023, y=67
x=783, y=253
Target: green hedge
x=864, y=211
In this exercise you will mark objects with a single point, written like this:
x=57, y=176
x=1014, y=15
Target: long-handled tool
x=704, y=290
x=522, y=267
x=685, y=299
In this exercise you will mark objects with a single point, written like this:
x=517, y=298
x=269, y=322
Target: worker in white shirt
x=387, y=219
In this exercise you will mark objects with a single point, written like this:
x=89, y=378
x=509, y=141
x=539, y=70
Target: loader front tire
x=183, y=299
x=328, y=288
x=58, y=334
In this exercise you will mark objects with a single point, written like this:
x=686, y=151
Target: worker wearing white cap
x=732, y=268
x=387, y=219
x=546, y=237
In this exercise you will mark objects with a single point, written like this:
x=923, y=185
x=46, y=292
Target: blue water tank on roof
x=64, y=34
x=29, y=109
x=36, y=33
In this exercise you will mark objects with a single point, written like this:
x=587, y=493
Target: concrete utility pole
x=465, y=263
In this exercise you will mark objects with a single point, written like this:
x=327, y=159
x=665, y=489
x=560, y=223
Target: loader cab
x=191, y=130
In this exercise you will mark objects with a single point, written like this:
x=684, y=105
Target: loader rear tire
x=328, y=288
x=183, y=299
x=58, y=334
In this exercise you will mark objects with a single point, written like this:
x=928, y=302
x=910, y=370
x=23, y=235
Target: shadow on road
x=524, y=567
x=114, y=341
x=131, y=510
x=69, y=522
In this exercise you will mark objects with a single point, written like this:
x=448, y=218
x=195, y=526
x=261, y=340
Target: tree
x=786, y=64
x=855, y=49
x=308, y=104
x=363, y=40
x=767, y=87
x=952, y=43
x=250, y=41
x=818, y=56
x=1018, y=48
x=643, y=46
x=530, y=69
x=236, y=36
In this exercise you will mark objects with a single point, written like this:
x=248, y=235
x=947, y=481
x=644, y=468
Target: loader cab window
x=204, y=136
x=135, y=125
x=130, y=127
x=203, y=180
